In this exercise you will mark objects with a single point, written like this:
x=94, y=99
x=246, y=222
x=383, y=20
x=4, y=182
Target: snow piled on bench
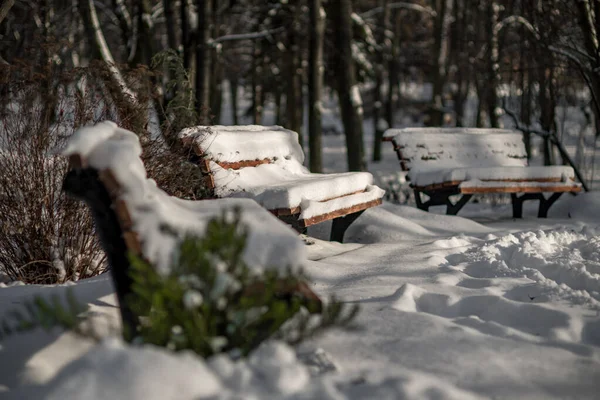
x=161, y=220
x=445, y=148
x=245, y=142
x=424, y=177
x=286, y=184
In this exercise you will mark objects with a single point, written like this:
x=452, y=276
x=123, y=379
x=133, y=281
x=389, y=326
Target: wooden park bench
x=442, y=162
x=265, y=163
x=133, y=215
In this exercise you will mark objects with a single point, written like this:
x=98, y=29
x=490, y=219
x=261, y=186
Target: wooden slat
x=296, y=210
x=110, y=182
x=76, y=161
x=520, y=189
x=204, y=165
x=244, y=163
x=209, y=181
x=133, y=242
x=451, y=184
x=123, y=214
x=339, y=213
x=285, y=211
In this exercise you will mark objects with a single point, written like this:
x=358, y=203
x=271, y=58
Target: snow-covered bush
x=212, y=302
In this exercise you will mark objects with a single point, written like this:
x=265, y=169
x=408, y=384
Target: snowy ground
x=475, y=306
x=451, y=308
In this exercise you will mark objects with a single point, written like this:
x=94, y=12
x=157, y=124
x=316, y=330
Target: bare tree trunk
x=257, y=88
x=494, y=63
x=185, y=35
x=5, y=8
x=589, y=22
x=378, y=95
x=146, y=27
x=294, y=84
x=216, y=92
x=440, y=57
x=460, y=55
x=233, y=89
x=392, y=94
x=170, y=24
x=203, y=57
x=315, y=85
x=547, y=108
x=98, y=42
x=348, y=92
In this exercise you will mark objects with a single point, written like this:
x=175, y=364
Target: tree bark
x=233, y=88
x=203, y=58
x=348, y=92
x=393, y=71
x=170, y=24
x=257, y=88
x=440, y=57
x=5, y=8
x=493, y=64
x=315, y=86
x=378, y=95
x=294, y=83
x=185, y=35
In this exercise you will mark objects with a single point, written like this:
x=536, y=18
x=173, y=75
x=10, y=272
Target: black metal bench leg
x=453, y=209
x=340, y=224
x=545, y=204
x=517, y=205
x=420, y=204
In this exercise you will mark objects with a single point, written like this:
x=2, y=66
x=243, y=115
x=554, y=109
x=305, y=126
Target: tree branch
x=247, y=36
x=400, y=4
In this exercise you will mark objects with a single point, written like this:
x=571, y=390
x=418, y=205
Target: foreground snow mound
x=114, y=370
x=561, y=264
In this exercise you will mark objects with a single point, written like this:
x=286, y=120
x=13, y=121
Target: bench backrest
x=441, y=148
x=243, y=145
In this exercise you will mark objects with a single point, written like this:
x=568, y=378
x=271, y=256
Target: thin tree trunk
x=5, y=8
x=294, y=101
x=348, y=92
x=233, y=89
x=440, y=57
x=257, y=88
x=393, y=71
x=216, y=92
x=315, y=86
x=378, y=95
x=170, y=24
x=493, y=65
x=185, y=35
x=203, y=58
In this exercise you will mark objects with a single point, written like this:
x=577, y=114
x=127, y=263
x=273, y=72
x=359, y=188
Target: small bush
x=46, y=237
x=212, y=302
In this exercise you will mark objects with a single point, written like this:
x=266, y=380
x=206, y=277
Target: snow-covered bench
x=442, y=162
x=133, y=215
x=264, y=163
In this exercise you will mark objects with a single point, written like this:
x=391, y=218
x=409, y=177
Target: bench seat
x=265, y=163
x=453, y=176
x=442, y=162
